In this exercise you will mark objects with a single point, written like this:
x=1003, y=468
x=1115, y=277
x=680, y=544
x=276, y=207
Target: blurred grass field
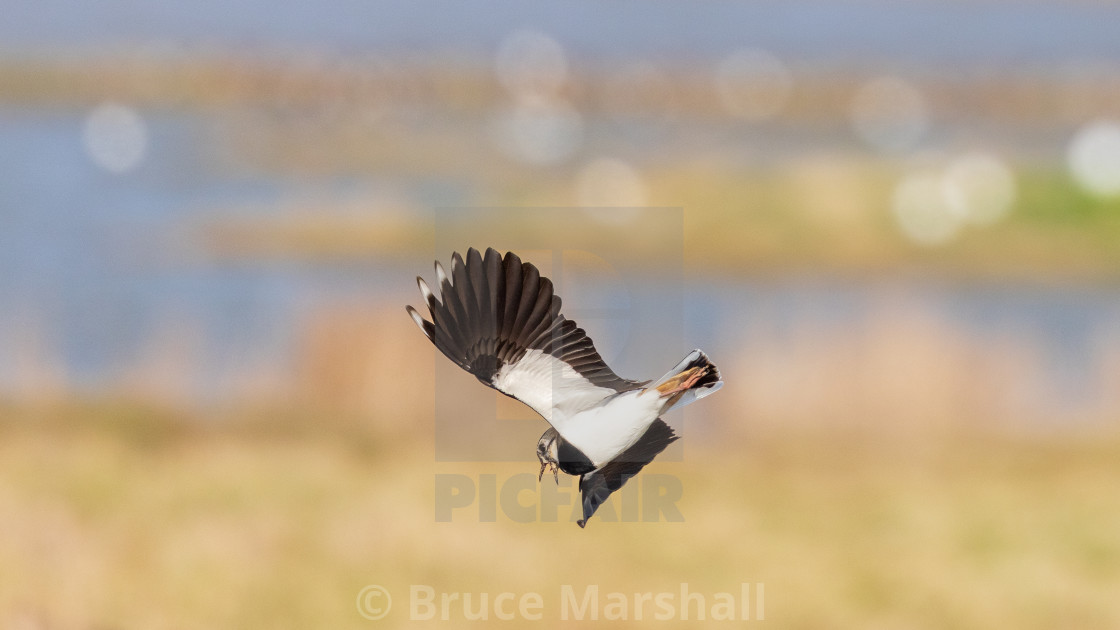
x=875, y=497
x=118, y=516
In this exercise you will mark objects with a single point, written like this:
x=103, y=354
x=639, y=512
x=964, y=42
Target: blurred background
x=900, y=243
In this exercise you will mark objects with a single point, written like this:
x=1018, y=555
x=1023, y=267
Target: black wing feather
x=454, y=309
x=494, y=309
x=597, y=486
x=513, y=283
x=496, y=292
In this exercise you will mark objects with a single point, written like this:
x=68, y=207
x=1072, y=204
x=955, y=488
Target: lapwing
x=499, y=319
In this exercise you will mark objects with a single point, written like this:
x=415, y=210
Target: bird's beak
x=555, y=472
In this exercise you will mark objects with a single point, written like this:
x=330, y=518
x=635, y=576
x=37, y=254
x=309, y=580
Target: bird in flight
x=499, y=319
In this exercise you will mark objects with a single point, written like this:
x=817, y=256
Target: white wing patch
x=550, y=386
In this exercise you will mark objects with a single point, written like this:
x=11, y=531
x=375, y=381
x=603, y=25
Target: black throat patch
x=572, y=460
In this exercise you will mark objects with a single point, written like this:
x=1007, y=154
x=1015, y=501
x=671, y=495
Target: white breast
x=603, y=432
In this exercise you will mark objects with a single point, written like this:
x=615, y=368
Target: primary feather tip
x=425, y=326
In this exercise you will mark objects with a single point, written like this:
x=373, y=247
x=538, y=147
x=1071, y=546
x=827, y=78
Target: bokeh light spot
x=980, y=188
x=921, y=209
x=539, y=132
x=1094, y=158
x=890, y=114
x=530, y=64
x=115, y=137
x=753, y=84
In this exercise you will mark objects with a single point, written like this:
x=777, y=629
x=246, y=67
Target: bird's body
x=500, y=321
x=605, y=430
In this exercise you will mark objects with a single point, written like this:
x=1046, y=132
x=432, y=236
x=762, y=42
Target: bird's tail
x=694, y=378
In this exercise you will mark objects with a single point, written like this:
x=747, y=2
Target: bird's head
x=547, y=448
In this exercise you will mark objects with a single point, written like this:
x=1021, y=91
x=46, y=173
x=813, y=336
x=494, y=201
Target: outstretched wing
x=597, y=485
x=498, y=319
